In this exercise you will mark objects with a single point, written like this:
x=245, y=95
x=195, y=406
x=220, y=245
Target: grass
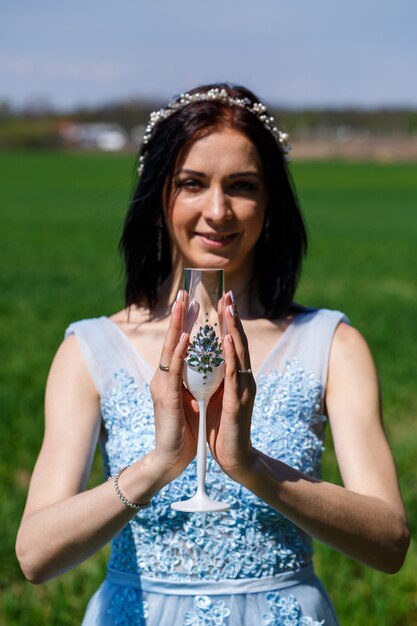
x=363, y=224
x=60, y=222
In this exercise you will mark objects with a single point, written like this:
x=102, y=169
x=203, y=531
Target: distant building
x=100, y=136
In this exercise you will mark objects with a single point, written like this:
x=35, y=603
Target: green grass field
x=60, y=222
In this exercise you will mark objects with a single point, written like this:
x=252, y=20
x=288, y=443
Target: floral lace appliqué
x=128, y=608
x=285, y=611
x=252, y=540
x=207, y=613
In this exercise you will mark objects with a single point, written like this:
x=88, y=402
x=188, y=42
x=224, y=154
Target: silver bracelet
x=126, y=502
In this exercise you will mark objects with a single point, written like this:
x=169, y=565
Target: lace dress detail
x=162, y=554
x=250, y=541
x=207, y=612
x=285, y=611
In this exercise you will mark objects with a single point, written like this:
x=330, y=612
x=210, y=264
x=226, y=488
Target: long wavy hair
x=145, y=242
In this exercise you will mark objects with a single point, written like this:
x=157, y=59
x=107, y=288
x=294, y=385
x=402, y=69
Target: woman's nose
x=217, y=205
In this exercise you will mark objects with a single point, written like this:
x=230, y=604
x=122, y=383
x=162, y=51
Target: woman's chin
x=210, y=261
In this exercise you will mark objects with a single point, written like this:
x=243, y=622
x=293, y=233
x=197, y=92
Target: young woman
x=214, y=191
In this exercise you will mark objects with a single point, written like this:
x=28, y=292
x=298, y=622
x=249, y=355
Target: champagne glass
x=204, y=366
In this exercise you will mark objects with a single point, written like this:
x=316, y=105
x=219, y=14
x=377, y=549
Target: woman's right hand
x=176, y=418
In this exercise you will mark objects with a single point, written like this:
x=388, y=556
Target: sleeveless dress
x=249, y=566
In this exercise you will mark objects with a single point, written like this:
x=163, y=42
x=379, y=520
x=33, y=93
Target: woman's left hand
x=229, y=411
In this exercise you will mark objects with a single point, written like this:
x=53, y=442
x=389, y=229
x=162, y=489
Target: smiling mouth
x=215, y=238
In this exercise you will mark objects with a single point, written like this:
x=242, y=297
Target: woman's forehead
x=222, y=148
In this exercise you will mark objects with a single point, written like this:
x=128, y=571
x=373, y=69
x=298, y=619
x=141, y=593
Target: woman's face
x=217, y=202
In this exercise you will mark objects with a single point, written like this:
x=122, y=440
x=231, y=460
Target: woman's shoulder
x=94, y=337
x=301, y=314
x=348, y=340
x=86, y=324
x=98, y=341
x=131, y=315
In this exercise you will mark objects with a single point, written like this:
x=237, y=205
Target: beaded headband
x=218, y=95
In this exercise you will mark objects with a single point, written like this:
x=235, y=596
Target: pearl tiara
x=217, y=95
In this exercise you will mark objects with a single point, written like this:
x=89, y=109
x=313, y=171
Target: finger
x=191, y=410
x=231, y=380
x=191, y=312
x=177, y=363
x=189, y=398
x=220, y=314
x=174, y=331
x=235, y=329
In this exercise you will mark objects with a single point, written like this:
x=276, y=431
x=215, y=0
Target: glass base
x=200, y=503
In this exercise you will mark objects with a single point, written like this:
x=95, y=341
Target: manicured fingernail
x=232, y=297
x=182, y=336
x=173, y=306
x=229, y=339
x=232, y=310
x=179, y=295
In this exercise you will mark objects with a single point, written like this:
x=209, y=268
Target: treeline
x=384, y=121
x=39, y=126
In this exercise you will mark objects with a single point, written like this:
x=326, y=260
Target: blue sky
x=297, y=53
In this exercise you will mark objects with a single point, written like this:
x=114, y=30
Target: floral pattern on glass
x=205, y=350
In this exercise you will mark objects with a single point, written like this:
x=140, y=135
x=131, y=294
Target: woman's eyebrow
x=248, y=173
x=252, y=173
x=190, y=172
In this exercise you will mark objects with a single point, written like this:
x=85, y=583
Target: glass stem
x=202, y=447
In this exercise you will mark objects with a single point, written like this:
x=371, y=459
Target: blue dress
x=248, y=566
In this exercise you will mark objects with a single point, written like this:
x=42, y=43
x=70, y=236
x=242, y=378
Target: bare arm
x=62, y=524
x=365, y=519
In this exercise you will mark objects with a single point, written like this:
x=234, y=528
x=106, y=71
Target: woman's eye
x=189, y=183
x=244, y=185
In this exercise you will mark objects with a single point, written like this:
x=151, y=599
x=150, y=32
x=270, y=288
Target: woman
x=214, y=191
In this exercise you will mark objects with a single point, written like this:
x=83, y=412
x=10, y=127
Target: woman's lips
x=216, y=241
